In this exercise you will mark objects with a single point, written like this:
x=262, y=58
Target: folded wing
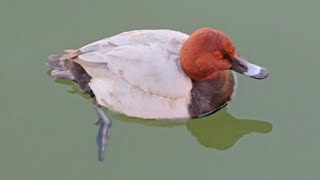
x=143, y=80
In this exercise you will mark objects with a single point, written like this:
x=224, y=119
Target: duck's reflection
x=220, y=130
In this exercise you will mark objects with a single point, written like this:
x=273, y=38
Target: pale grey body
x=138, y=73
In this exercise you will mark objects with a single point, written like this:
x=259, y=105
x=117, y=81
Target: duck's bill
x=242, y=66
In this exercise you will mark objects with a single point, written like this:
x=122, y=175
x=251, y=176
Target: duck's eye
x=218, y=55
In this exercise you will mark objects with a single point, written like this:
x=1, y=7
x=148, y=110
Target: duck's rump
x=67, y=69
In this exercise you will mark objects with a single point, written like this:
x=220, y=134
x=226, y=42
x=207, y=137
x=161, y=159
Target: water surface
x=47, y=131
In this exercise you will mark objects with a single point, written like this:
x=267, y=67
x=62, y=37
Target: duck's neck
x=208, y=96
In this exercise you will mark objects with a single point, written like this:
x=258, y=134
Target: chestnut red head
x=208, y=51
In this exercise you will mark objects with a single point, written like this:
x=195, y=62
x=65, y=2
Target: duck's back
x=138, y=73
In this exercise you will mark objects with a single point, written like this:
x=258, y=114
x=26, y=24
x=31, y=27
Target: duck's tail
x=60, y=69
x=63, y=67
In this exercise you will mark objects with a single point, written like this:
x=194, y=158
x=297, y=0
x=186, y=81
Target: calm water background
x=47, y=132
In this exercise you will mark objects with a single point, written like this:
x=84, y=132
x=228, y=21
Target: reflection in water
x=219, y=130
x=75, y=88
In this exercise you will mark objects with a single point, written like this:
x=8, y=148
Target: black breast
x=211, y=95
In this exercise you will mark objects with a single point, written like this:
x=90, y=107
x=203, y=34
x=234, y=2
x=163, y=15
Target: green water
x=47, y=131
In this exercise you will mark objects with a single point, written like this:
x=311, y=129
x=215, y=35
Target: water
x=46, y=127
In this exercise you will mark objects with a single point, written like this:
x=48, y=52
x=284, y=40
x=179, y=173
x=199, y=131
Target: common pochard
x=155, y=74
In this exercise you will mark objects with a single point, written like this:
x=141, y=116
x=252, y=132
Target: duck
x=155, y=74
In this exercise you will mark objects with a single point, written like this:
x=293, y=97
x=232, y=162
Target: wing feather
x=148, y=67
x=138, y=73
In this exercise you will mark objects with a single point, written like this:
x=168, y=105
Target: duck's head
x=208, y=51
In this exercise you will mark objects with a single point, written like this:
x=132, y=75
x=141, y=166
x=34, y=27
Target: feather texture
x=138, y=73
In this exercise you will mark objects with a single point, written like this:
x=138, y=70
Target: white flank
x=138, y=73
